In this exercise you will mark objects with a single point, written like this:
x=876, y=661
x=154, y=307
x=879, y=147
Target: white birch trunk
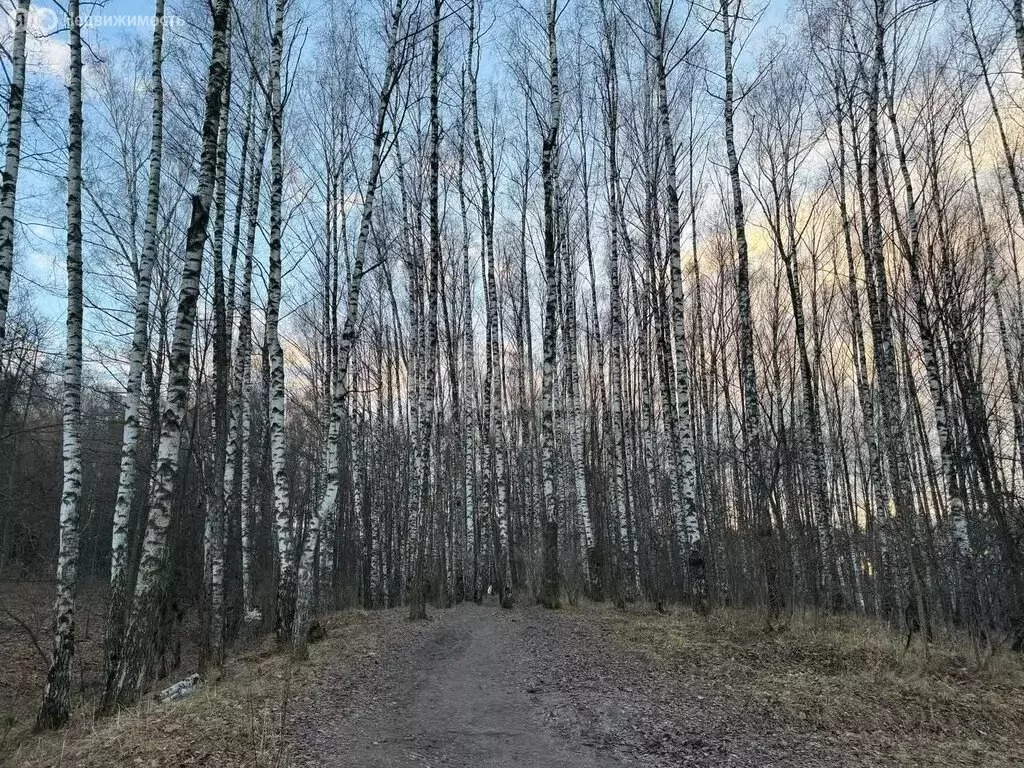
x=242, y=363
x=304, y=592
x=425, y=471
x=132, y=664
x=133, y=395
x=549, y=173
x=56, y=705
x=284, y=521
x=770, y=558
x=686, y=465
x=467, y=561
x=493, y=416
x=618, y=448
x=911, y=252
x=12, y=157
x=217, y=508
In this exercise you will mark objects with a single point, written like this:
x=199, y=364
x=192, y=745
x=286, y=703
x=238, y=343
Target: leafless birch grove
x=411, y=303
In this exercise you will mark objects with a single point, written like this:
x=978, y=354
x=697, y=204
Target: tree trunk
x=56, y=706
x=151, y=576
x=418, y=602
x=756, y=461
x=680, y=418
x=549, y=175
x=285, y=524
x=304, y=594
x=12, y=157
x=119, y=580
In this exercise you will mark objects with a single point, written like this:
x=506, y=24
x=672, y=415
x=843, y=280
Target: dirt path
x=484, y=688
x=462, y=691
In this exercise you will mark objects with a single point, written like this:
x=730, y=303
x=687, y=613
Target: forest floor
x=26, y=614
x=587, y=686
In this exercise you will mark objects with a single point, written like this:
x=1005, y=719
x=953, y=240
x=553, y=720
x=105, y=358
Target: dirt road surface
x=482, y=687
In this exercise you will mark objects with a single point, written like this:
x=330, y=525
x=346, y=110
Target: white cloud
x=46, y=51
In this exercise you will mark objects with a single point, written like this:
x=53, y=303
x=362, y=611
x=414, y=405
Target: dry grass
x=239, y=721
x=847, y=681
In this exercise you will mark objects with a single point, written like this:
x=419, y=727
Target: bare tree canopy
x=413, y=304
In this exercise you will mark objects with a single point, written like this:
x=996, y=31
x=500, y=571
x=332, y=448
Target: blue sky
x=40, y=249
x=40, y=257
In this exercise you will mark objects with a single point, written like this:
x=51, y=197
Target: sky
x=40, y=255
x=39, y=258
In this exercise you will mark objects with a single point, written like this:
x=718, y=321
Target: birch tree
x=130, y=674
x=284, y=521
x=119, y=581
x=398, y=52
x=423, y=506
x=56, y=706
x=549, y=175
x=792, y=376
x=680, y=420
x=757, y=465
x=12, y=156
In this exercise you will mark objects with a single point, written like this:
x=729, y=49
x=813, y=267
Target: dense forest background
x=324, y=304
